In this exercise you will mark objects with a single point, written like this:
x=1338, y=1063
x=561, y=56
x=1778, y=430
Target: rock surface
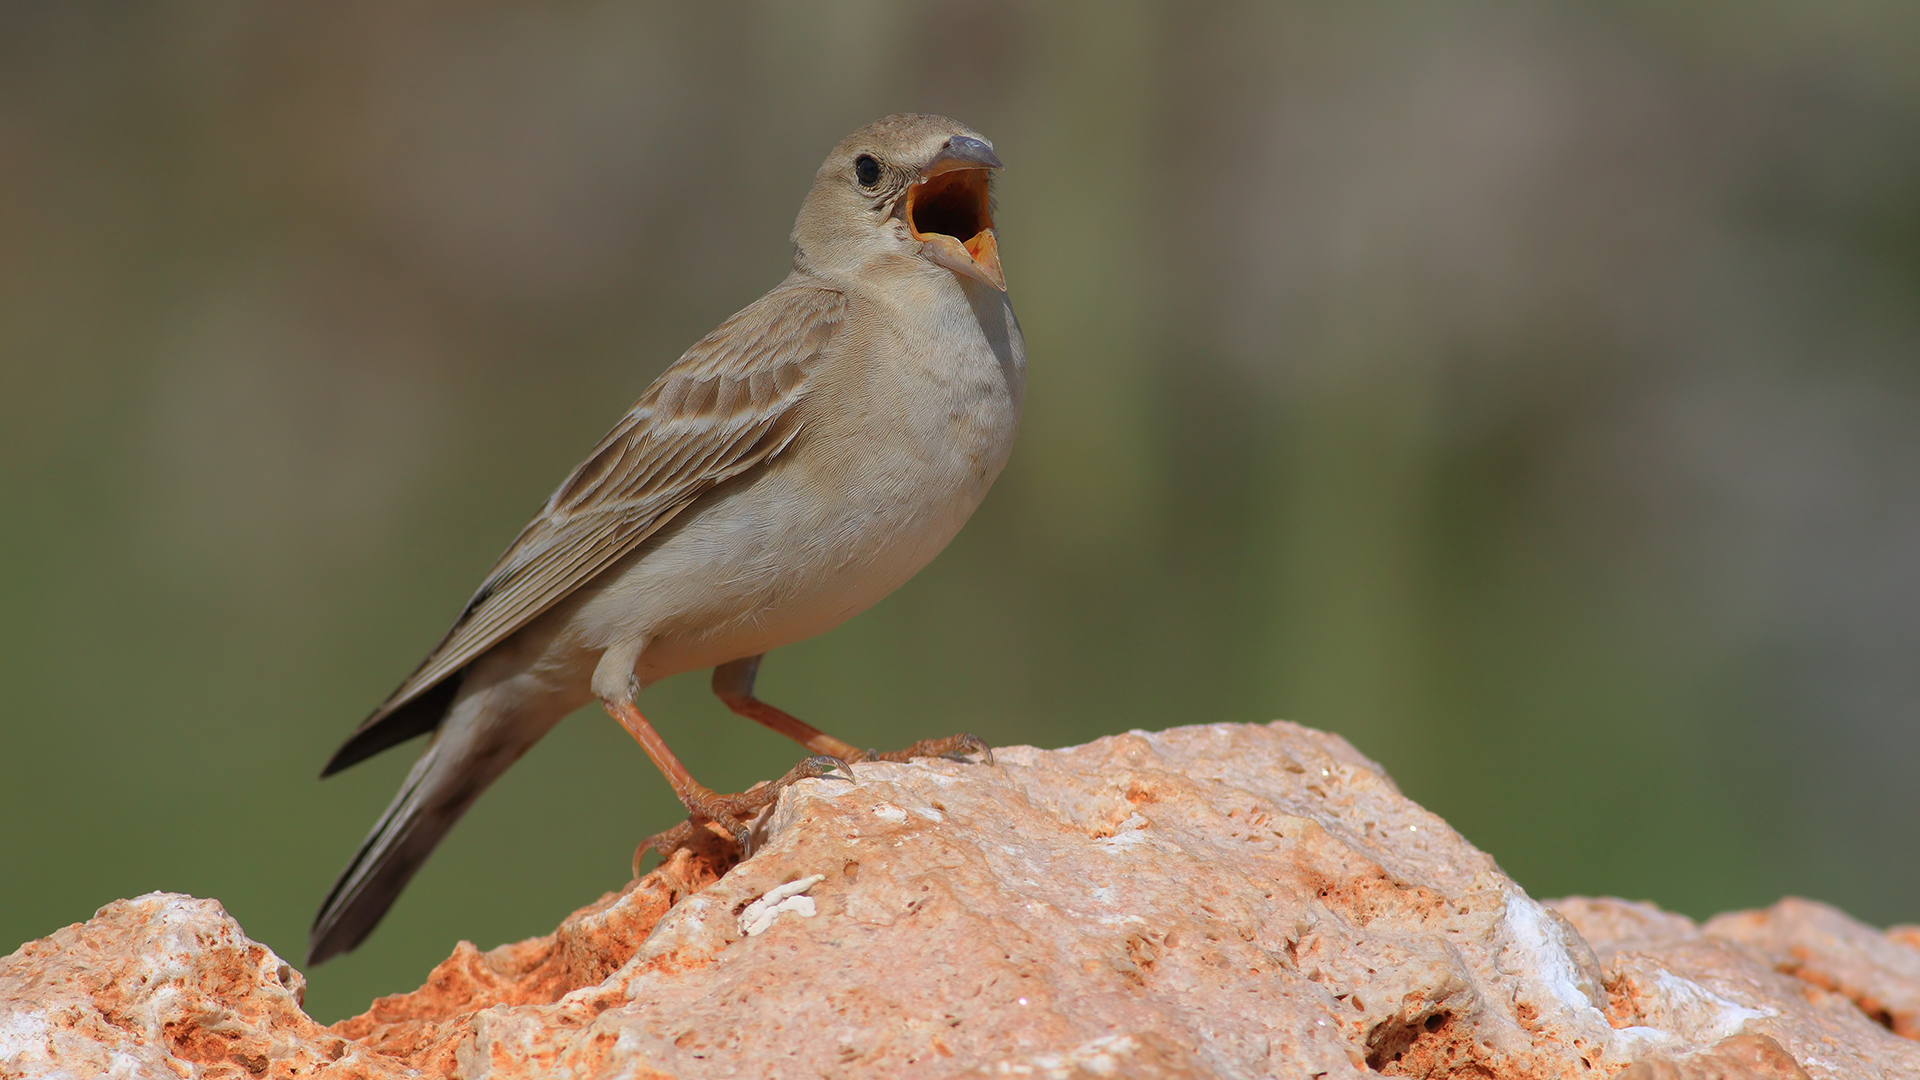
x=1228, y=901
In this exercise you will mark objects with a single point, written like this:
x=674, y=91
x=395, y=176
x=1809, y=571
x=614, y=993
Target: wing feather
x=720, y=411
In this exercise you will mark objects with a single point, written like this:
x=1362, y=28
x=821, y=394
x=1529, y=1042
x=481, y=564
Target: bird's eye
x=866, y=170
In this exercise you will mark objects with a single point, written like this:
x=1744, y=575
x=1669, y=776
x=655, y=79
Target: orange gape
x=952, y=214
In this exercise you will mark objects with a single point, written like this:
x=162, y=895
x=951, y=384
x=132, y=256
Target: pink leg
x=733, y=685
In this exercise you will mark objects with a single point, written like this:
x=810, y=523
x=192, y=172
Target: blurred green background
x=1530, y=393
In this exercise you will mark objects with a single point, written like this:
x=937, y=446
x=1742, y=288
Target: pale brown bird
x=792, y=468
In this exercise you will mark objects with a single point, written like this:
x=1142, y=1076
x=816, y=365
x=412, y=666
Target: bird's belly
x=766, y=565
x=779, y=560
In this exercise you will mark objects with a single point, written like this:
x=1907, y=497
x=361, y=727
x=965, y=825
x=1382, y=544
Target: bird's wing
x=721, y=410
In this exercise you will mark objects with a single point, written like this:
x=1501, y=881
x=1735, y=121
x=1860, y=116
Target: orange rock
x=1682, y=989
x=1878, y=972
x=422, y=1029
x=1741, y=1057
x=1209, y=901
x=164, y=986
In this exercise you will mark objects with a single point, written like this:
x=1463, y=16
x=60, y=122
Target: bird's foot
x=732, y=813
x=962, y=747
x=703, y=838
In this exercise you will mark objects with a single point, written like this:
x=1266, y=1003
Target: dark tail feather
x=384, y=730
x=478, y=738
x=430, y=801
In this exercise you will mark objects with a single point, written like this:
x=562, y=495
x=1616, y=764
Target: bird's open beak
x=951, y=215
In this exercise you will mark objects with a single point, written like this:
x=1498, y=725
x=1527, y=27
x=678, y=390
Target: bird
x=793, y=467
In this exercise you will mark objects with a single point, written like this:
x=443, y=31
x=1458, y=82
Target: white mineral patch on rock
x=778, y=901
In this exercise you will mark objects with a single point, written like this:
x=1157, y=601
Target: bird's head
x=906, y=186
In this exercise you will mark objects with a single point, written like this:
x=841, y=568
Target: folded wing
x=722, y=410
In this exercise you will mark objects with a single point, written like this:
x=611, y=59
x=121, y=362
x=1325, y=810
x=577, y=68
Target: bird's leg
x=695, y=796
x=733, y=685
x=730, y=812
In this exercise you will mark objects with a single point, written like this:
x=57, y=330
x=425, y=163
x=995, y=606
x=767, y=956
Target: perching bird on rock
x=796, y=465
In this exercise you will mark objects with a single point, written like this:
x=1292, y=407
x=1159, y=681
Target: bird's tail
x=469, y=751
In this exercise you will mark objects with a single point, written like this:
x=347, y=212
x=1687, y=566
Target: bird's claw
x=668, y=841
x=967, y=745
x=818, y=766
x=963, y=748
x=732, y=813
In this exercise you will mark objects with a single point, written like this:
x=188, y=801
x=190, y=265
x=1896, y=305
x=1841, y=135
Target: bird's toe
x=963, y=747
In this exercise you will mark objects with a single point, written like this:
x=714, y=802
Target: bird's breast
x=935, y=383
x=900, y=442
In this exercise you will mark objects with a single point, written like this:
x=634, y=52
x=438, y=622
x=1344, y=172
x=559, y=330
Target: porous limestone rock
x=1878, y=972
x=1219, y=901
x=162, y=986
x=1684, y=988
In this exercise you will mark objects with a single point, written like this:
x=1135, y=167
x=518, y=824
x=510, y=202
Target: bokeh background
x=1530, y=393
